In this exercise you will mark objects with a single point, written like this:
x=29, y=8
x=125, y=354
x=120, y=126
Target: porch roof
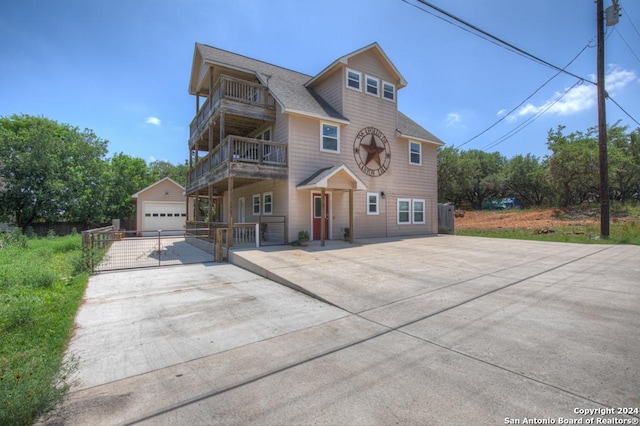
x=320, y=179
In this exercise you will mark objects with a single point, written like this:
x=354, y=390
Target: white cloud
x=501, y=112
x=582, y=97
x=153, y=120
x=453, y=119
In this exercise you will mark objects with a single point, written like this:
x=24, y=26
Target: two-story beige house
x=317, y=153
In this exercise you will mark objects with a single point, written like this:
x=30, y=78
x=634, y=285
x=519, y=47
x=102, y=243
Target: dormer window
x=388, y=91
x=354, y=80
x=372, y=85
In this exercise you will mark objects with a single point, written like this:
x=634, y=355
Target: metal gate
x=108, y=250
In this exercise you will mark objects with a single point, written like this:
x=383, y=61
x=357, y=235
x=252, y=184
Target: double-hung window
x=354, y=80
x=388, y=91
x=255, y=201
x=415, y=153
x=330, y=138
x=404, y=211
x=267, y=203
x=372, y=85
x=418, y=211
x=411, y=210
x=372, y=203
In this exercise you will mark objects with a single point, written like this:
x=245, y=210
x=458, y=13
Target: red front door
x=317, y=216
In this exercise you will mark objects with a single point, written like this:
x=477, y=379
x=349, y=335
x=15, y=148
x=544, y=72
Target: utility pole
x=602, y=127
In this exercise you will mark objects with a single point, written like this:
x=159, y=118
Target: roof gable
x=286, y=86
x=344, y=60
x=320, y=179
x=166, y=179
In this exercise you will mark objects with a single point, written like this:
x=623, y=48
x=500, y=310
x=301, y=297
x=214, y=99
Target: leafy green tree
x=624, y=162
x=573, y=165
x=162, y=169
x=480, y=176
x=448, y=175
x=126, y=175
x=49, y=171
x=526, y=178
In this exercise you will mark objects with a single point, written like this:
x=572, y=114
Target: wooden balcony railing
x=241, y=150
x=235, y=89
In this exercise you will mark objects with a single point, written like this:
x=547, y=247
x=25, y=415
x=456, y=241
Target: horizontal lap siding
x=400, y=181
x=330, y=89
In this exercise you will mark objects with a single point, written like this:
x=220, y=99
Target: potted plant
x=303, y=238
x=346, y=233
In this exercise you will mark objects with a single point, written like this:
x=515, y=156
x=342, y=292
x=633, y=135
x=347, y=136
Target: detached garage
x=161, y=206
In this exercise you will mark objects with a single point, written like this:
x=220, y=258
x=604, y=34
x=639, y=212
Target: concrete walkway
x=440, y=330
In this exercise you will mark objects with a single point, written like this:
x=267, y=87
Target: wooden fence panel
x=446, y=219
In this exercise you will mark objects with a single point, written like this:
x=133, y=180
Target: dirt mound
x=527, y=219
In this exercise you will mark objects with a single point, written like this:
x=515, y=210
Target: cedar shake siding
x=230, y=158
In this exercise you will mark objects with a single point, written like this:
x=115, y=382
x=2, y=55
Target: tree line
x=52, y=172
x=568, y=176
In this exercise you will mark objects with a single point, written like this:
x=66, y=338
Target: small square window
x=372, y=85
x=330, y=138
x=388, y=91
x=147, y=214
x=353, y=80
x=415, y=153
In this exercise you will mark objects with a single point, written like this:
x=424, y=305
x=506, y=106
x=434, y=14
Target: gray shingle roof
x=408, y=127
x=286, y=86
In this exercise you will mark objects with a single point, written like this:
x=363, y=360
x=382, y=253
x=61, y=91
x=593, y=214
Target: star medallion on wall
x=372, y=151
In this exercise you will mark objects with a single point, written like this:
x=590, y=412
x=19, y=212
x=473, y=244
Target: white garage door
x=167, y=216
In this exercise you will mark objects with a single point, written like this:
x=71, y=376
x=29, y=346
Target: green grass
x=41, y=284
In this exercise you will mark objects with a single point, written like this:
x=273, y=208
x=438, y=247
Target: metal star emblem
x=373, y=152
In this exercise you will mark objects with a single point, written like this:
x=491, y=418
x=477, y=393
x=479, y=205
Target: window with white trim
x=354, y=80
x=404, y=211
x=411, y=211
x=329, y=138
x=415, y=153
x=388, y=91
x=372, y=85
x=255, y=201
x=372, y=203
x=418, y=211
x=267, y=203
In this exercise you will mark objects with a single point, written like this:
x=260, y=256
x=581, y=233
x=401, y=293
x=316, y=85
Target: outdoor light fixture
x=382, y=194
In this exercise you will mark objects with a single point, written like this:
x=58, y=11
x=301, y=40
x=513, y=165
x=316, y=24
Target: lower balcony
x=244, y=158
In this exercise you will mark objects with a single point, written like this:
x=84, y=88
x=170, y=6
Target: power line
x=632, y=24
x=496, y=39
x=528, y=97
x=531, y=119
x=625, y=42
x=622, y=109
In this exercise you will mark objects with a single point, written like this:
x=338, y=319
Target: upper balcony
x=246, y=159
x=237, y=97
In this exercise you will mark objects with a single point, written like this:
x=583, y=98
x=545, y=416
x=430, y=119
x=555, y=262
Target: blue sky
x=121, y=67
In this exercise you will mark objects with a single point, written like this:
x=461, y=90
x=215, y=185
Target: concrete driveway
x=440, y=330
